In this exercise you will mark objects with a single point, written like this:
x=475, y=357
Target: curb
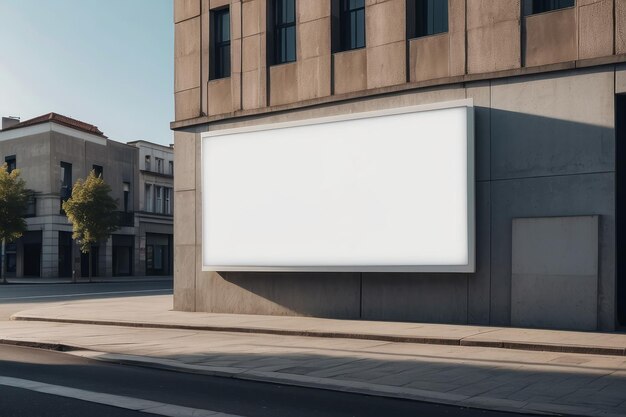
x=353, y=387
x=473, y=342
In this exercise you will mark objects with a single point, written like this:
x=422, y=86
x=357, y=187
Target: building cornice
x=51, y=127
x=189, y=124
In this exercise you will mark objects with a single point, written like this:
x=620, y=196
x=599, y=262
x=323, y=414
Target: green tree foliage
x=13, y=205
x=92, y=212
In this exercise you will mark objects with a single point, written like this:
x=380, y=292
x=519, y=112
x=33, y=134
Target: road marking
x=119, y=401
x=31, y=297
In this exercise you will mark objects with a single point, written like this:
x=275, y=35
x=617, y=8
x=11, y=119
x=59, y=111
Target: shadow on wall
x=526, y=166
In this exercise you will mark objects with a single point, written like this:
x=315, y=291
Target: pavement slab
x=143, y=331
x=156, y=312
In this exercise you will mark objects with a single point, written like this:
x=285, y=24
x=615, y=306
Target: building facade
x=547, y=80
x=154, y=220
x=53, y=151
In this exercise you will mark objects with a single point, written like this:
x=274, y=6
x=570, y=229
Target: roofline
x=52, y=119
x=169, y=147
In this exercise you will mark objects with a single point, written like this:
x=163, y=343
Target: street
x=17, y=297
x=37, y=382
x=241, y=398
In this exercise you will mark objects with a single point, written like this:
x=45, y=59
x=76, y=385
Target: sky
x=106, y=62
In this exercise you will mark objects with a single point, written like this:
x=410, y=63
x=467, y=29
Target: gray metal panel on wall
x=568, y=195
x=554, y=272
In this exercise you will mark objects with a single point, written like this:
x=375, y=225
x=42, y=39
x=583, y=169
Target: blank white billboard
x=379, y=191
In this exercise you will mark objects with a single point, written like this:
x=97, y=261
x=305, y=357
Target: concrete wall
x=578, y=32
x=32, y=159
x=544, y=141
x=484, y=37
x=544, y=147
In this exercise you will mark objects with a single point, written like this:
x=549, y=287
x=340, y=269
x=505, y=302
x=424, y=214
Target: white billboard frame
x=468, y=267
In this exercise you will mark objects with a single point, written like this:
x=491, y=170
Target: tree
x=92, y=212
x=13, y=205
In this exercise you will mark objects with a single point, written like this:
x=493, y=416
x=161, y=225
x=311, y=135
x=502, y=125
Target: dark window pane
x=360, y=28
x=290, y=11
x=352, y=24
x=225, y=27
x=541, y=6
x=284, y=31
x=355, y=4
x=290, y=43
x=427, y=17
x=11, y=162
x=220, y=61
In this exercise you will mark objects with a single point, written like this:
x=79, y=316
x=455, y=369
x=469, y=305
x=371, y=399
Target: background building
x=156, y=208
x=547, y=79
x=52, y=151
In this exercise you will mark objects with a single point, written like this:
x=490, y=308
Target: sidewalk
x=94, y=280
x=461, y=365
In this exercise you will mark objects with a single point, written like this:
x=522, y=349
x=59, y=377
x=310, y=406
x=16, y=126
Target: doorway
x=158, y=254
x=84, y=262
x=123, y=247
x=31, y=250
x=65, y=254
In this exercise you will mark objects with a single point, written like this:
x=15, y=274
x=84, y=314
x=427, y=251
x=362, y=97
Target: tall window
x=348, y=25
x=159, y=165
x=168, y=198
x=284, y=22
x=66, y=180
x=220, y=44
x=11, y=162
x=159, y=200
x=148, y=199
x=126, y=196
x=426, y=17
x=148, y=163
x=541, y=6
x=171, y=167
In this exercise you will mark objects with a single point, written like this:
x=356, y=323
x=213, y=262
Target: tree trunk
x=89, y=255
x=3, y=262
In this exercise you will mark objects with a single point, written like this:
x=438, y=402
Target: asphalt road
x=43, y=383
x=241, y=398
x=18, y=297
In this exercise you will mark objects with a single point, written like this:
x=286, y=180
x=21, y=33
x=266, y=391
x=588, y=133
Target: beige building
x=53, y=151
x=547, y=80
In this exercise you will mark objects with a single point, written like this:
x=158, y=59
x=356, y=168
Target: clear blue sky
x=106, y=62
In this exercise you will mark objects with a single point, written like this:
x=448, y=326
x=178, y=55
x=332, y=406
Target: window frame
x=11, y=161
x=528, y=6
x=98, y=169
x=167, y=200
x=342, y=26
x=65, y=168
x=149, y=198
x=278, y=30
x=220, y=65
x=126, y=191
x=414, y=24
x=158, y=199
